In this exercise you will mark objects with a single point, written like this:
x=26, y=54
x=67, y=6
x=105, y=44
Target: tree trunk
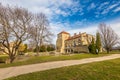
x=108, y=51
x=12, y=58
x=37, y=50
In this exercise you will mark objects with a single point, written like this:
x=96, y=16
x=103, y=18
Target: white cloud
x=103, y=5
x=117, y=9
x=102, y=9
x=53, y=7
x=58, y=27
x=91, y=29
x=105, y=11
x=115, y=24
x=107, y=8
x=61, y=12
x=81, y=14
x=92, y=6
x=114, y=5
x=111, y=7
x=49, y=7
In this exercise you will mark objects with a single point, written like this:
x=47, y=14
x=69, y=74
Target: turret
x=61, y=37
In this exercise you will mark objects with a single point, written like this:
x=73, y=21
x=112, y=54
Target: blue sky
x=74, y=15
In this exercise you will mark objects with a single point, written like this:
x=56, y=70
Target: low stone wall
x=77, y=49
x=80, y=49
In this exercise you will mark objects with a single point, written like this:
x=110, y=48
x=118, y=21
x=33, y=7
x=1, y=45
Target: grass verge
x=3, y=58
x=105, y=70
x=41, y=59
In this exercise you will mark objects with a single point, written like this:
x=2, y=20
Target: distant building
x=11, y=45
x=70, y=44
x=2, y=48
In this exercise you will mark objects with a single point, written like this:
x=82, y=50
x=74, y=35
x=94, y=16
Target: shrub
x=49, y=48
x=92, y=47
x=3, y=59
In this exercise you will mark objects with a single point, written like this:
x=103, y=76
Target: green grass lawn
x=41, y=59
x=105, y=70
x=3, y=58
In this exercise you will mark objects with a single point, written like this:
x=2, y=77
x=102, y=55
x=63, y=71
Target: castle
x=73, y=44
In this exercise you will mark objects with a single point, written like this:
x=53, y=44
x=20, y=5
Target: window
x=74, y=44
x=59, y=36
x=79, y=42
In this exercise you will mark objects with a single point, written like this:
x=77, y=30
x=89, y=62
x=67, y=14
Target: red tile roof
x=73, y=37
x=64, y=32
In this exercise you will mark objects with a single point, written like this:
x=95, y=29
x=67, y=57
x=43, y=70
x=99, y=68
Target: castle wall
x=60, y=44
x=77, y=43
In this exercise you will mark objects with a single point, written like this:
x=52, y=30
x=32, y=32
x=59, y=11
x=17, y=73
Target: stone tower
x=60, y=45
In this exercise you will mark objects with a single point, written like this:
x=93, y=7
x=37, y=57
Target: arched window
x=74, y=44
x=79, y=42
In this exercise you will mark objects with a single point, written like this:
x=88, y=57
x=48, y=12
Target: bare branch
x=40, y=31
x=14, y=23
x=108, y=36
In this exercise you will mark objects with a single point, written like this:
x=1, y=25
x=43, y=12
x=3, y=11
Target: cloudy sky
x=74, y=15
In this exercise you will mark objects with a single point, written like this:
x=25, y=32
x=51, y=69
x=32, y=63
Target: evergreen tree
x=50, y=48
x=36, y=49
x=42, y=48
x=98, y=42
x=92, y=48
x=25, y=48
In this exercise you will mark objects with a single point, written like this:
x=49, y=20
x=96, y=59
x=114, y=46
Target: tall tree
x=108, y=36
x=98, y=42
x=92, y=47
x=40, y=31
x=26, y=47
x=14, y=23
x=22, y=48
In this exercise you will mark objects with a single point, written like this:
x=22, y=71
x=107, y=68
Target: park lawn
x=41, y=59
x=3, y=58
x=105, y=70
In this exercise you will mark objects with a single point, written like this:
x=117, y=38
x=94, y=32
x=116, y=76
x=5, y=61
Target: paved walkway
x=14, y=71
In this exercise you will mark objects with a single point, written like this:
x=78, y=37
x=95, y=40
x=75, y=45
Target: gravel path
x=14, y=71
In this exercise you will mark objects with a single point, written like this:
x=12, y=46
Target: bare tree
x=40, y=31
x=14, y=23
x=108, y=37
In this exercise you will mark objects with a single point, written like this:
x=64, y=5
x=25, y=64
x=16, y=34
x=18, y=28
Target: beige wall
x=62, y=43
x=84, y=39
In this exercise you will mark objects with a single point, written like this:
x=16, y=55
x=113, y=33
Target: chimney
x=74, y=34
